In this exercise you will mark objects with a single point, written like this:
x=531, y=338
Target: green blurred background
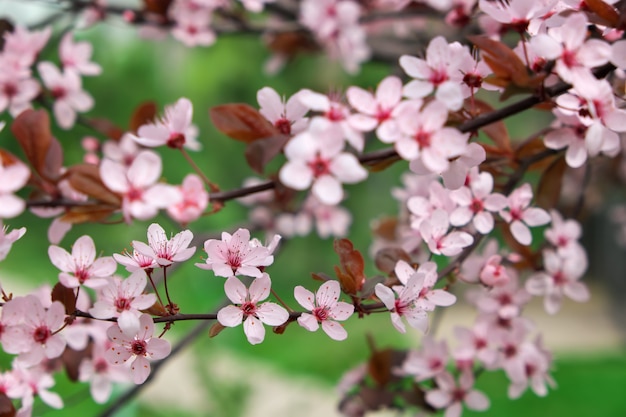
x=293, y=374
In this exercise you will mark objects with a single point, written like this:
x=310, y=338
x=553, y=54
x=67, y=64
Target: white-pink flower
x=248, y=309
x=286, y=116
x=428, y=362
x=163, y=250
x=82, y=267
x=139, y=347
x=135, y=261
x=12, y=178
x=236, y=254
x=315, y=159
x=101, y=374
x=7, y=239
x=325, y=309
x=77, y=56
x=124, y=299
x=137, y=183
x=434, y=231
x=519, y=215
x=452, y=396
x=66, y=89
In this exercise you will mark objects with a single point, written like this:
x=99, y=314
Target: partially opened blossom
x=520, y=216
x=163, y=250
x=453, y=396
x=7, y=239
x=77, y=56
x=248, y=309
x=560, y=277
x=142, y=195
x=315, y=159
x=140, y=347
x=12, y=178
x=81, y=266
x=101, y=374
x=124, y=299
x=286, y=116
x=236, y=254
x=66, y=89
x=325, y=309
x=174, y=129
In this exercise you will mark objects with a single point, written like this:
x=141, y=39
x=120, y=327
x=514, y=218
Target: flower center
x=283, y=125
x=58, y=93
x=176, y=140
x=41, y=334
x=476, y=206
x=122, y=304
x=248, y=308
x=319, y=166
x=320, y=313
x=139, y=347
x=438, y=77
x=422, y=138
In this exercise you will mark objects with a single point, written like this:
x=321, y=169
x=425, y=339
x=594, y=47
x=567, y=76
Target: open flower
x=164, y=251
x=324, y=308
x=249, y=310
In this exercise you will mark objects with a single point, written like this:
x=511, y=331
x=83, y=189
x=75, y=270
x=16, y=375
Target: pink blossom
x=26, y=44
x=77, y=56
x=325, y=309
x=434, y=231
x=36, y=381
x=174, y=129
x=315, y=158
x=506, y=300
x=428, y=362
x=163, y=250
x=406, y=304
x=193, y=27
x=518, y=14
x=248, y=310
x=440, y=70
x=123, y=151
x=286, y=116
x=330, y=220
x=476, y=203
x=66, y=89
x=564, y=235
x=425, y=137
x=7, y=239
x=138, y=346
x=101, y=374
x=236, y=254
x=493, y=272
x=137, y=183
x=519, y=215
x=82, y=267
x=537, y=363
x=12, y=178
x=39, y=330
x=560, y=277
x=135, y=261
x=475, y=343
x=422, y=207
x=123, y=299
x=451, y=396
x=195, y=200
x=16, y=92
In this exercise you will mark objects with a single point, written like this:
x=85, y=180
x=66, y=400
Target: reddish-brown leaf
x=549, y=189
x=54, y=161
x=379, y=366
x=6, y=406
x=496, y=131
x=291, y=43
x=605, y=11
x=144, y=113
x=85, y=178
x=530, y=149
x=157, y=309
x=65, y=296
x=241, y=122
x=73, y=358
x=384, y=164
x=259, y=153
x=387, y=258
x=352, y=275
x=32, y=130
x=87, y=213
x=107, y=128
x=159, y=7
x=216, y=329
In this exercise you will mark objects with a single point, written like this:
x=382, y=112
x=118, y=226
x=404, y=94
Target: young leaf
x=549, y=189
x=259, y=153
x=65, y=296
x=32, y=130
x=85, y=178
x=352, y=275
x=241, y=122
x=145, y=113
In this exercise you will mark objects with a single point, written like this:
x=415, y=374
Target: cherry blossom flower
x=315, y=158
x=536, y=362
x=440, y=70
x=195, y=200
x=16, y=92
x=12, y=178
x=519, y=215
x=428, y=362
x=137, y=183
x=286, y=116
x=39, y=330
x=564, y=235
x=248, y=310
x=37, y=381
x=520, y=15
x=425, y=137
x=77, y=56
x=174, y=129
x=82, y=267
x=475, y=343
x=193, y=27
x=123, y=151
x=101, y=374
x=476, y=203
x=135, y=261
x=163, y=250
x=139, y=346
x=506, y=300
x=325, y=309
x=66, y=89
x=452, y=396
x=124, y=299
x=406, y=304
x=236, y=254
x=560, y=277
x=7, y=239
x=434, y=231
x=493, y=272
x=25, y=43
x=566, y=44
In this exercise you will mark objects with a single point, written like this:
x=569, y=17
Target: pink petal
x=272, y=314
x=158, y=348
x=304, y=297
x=254, y=330
x=328, y=190
x=230, y=316
x=140, y=369
x=521, y=232
x=334, y=330
x=235, y=290
x=260, y=288
x=309, y=322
